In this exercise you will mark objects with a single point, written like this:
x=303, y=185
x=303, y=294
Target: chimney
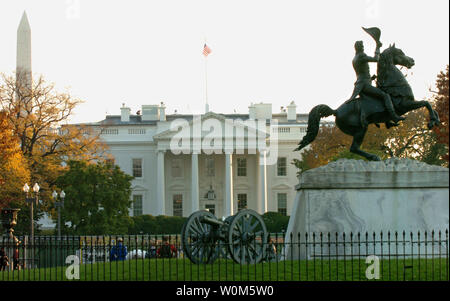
x=251, y=112
x=124, y=113
x=292, y=111
x=263, y=111
x=162, y=112
x=150, y=112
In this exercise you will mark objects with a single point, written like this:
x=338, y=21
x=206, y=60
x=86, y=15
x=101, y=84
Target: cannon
x=243, y=236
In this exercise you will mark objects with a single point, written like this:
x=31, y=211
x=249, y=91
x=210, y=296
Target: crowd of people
x=164, y=250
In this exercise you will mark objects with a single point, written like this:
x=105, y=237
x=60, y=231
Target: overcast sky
x=144, y=52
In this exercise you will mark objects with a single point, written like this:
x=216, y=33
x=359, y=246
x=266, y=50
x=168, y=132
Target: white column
x=262, y=182
x=229, y=210
x=258, y=184
x=195, y=197
x=160, y=185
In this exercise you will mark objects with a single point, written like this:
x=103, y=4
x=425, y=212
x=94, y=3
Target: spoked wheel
x=197, y=238
x=247, y=237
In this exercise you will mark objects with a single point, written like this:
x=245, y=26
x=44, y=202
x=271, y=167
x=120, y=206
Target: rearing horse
x=389, y=79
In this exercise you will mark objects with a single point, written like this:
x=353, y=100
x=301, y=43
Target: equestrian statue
x=384, y=103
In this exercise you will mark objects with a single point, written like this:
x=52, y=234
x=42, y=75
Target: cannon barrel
x=212, y=221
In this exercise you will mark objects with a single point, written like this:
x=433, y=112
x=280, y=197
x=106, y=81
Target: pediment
x=208, y=122
x=176, y=187
x=281, y=187
x=241, y=186
x=139, y=188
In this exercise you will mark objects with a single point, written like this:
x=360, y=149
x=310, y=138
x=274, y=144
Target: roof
x=115, y=120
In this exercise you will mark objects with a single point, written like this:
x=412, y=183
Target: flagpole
x=206, y=82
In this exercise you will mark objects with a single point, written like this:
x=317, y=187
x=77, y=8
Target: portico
x=207, y=163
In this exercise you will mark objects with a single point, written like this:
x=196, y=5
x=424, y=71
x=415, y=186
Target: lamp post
x=59, y=204
x=32, y=200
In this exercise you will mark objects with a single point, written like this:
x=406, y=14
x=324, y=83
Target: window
x=282, y=130
x=242, y=201
x=137, y=204
x=282, y=203
x=177, y=171
x=136, y=131
x=211, y=208
x=210, y=171
x=137, y=168
x=109, y=132
x=281, y=167
x=241, y=167
x=177, y=205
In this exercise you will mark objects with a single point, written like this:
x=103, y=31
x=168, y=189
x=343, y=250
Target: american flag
x=206, y=50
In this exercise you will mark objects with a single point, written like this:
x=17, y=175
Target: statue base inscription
x=354, y=196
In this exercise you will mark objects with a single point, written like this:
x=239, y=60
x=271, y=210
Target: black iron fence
x=391, y=256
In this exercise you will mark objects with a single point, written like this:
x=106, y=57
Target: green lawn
x=226, y=270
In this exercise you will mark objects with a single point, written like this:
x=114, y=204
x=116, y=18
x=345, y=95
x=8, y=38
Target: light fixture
x=26, y=188
x=62, y=194
x=211, y=195
x=36, y=188
x=54, y=194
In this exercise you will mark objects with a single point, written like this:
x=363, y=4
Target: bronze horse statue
x=389, y=79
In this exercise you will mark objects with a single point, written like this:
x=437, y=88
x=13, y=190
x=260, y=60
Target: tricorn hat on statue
x=374, y=32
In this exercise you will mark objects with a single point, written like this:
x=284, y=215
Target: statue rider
x=363, y=83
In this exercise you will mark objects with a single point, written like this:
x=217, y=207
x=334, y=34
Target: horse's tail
x=315, y=115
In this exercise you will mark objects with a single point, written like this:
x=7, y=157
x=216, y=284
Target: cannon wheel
x=247, y=237
x=197, y=238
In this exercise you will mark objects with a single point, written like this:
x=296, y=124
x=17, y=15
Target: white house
x=218, y=162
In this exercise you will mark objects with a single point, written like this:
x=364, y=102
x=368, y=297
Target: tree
x=38, y=116
x=13, y=167
x=148, y=224
x=441, y=106
x=97, y=199
x=275, y=222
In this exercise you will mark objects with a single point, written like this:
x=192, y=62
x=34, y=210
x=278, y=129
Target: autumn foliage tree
x=441, y=98
x=38, y=116
x=13, y=167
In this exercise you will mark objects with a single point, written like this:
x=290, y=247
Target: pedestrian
x=16, y=262
x=4, y=260
x=166, y=250
x=119, y=251
x=152, y=249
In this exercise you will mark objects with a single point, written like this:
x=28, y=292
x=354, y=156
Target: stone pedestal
x=355, y=196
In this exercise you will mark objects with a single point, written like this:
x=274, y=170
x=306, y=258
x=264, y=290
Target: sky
x=140, y=52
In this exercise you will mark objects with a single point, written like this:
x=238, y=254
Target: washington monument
x=23, y=62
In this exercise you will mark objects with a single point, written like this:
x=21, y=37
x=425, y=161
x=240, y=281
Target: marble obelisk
x=23, y=62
